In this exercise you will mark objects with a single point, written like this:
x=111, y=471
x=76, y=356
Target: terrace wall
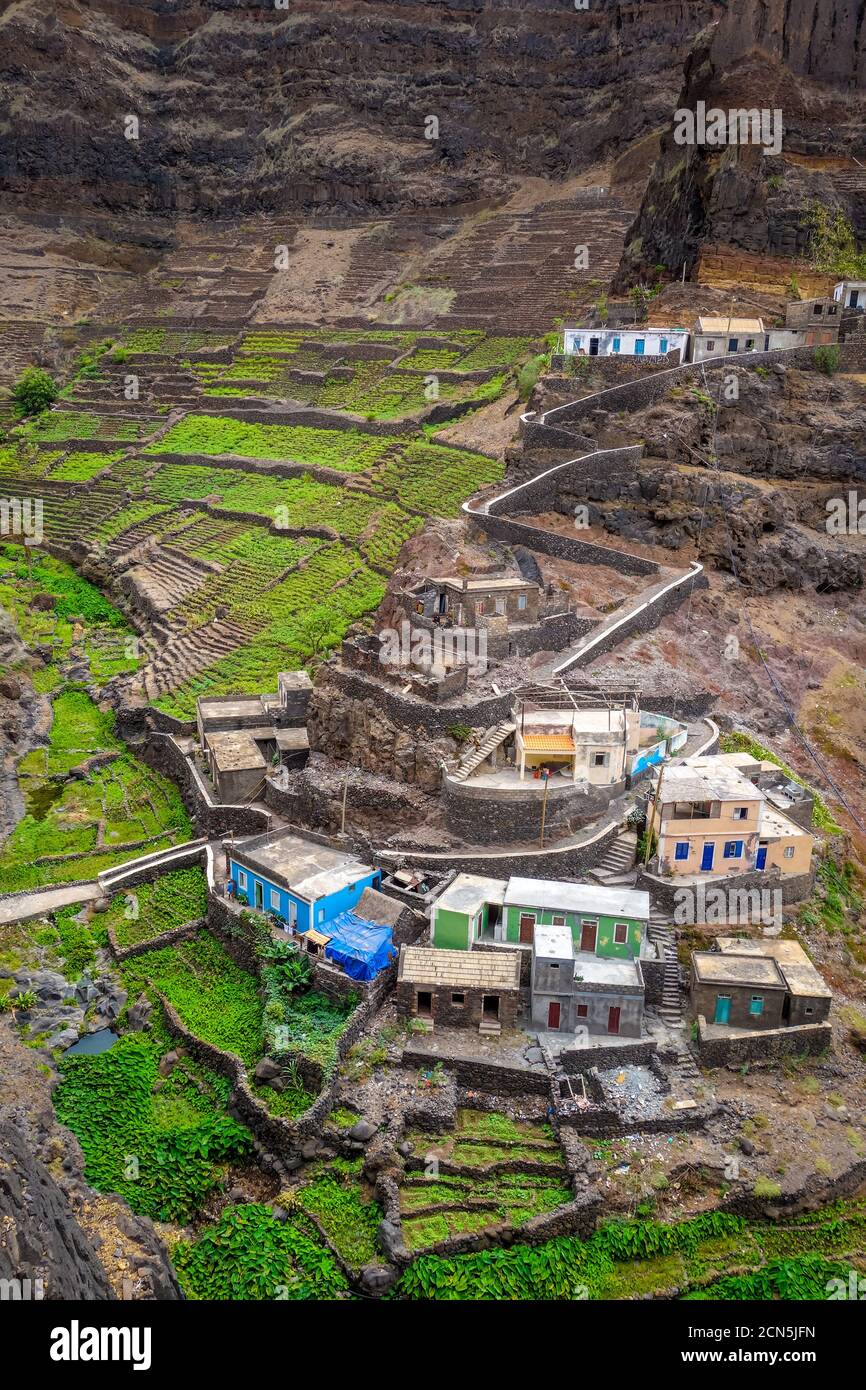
x=482, y=815
x=497, y=1078
x=570, y=859
x=762, y=1045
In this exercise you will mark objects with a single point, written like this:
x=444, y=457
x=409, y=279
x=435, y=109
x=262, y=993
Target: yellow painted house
x=711, y=820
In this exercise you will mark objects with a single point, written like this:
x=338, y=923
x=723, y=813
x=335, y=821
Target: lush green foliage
x=348, y=1220
x=249, y=1254
x=822, y=816
x=161, y=1153
x=215, y=998
x=150, y=909
x=34, y=391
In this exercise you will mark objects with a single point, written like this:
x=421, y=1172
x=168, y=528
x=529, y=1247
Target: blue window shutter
x=682, y=850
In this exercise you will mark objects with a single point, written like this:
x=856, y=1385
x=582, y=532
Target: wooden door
x=613, y=1019
x=588, y=932
x=527, y=927
x=553, y=1016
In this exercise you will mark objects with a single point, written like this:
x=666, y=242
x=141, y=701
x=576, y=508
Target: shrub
x=827, y=359
x=34, y=391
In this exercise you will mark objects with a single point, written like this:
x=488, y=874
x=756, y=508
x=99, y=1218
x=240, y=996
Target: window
x=733, y=849
x=275, y=899
x=583, y=1010
x=242, y=878
x=600, y=759
x=479, y=606
x=558, y=919
x=741, y=813
x=554, y=965
x=620, y=933
x=808, y=1010
x=750, y=345
x=321, y=914
x=499, y=605
x=789, y=851
x=521, y=600
x=831, y=309
x=711, y=345
x=756, y=1007
x=682, y=850
x=817, y=309
x=458, y=1000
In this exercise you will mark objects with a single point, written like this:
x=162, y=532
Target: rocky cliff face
x=53, y=1228
x=323, y=104
x=805, y=58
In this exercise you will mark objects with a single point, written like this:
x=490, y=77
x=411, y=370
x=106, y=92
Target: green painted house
x=609, y=922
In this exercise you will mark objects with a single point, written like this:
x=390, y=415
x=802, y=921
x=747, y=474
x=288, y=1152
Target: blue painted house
x=305, y=884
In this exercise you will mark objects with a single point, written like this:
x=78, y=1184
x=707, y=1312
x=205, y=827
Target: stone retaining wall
x=793, y=887
x=570, y=860
x=498, y=1078
x=481, y=815
x=156, y=943
x=561, y=547
x=763, y=1044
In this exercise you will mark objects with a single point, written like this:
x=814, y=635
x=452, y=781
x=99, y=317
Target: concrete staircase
x=662, y=935
x=618, y=861
x=492, y=740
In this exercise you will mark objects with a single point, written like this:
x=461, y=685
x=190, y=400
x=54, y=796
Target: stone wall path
x=23, y=907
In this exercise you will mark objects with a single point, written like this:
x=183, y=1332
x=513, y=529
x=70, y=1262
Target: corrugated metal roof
x=318, y=938
x=711, y=324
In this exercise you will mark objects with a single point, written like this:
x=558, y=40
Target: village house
x=469, y=602
x=711, y=819
x=714, y=336
x=242, y=737
x=605, y=921
x=821, y=313
x=757, y=985
x=576, y=989
x=454, y=989
x=851, y=294
x=305, y=884
x=626, y=342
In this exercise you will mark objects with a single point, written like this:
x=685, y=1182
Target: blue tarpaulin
x=360, y=947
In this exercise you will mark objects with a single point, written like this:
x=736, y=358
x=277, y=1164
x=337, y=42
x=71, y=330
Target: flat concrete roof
x=553, y=943
x=483, y=586
x=230, y=706
x=467, y=892
x=576, y=721
x=796, y=967
x=235, y=751
x=427, y=965
x=602, y=970
x=587, y=898
x=774, y=822
x=291, y=740
x=722, y=968
x=707, y=779
x=310, y=870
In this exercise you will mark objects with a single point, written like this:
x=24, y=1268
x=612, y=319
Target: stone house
x=456, y=989
x=807, y=314
x=762, y=984
x=241, y=737
x=712, y=820
x=469, y=602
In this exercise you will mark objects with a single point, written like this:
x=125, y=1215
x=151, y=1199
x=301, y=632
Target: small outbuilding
x=758, y=985
x=459, y=989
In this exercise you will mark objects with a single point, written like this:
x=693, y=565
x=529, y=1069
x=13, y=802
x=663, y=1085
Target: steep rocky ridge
x=243, y=106
x=804, y=57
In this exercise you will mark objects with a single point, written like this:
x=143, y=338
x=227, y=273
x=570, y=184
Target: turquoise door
x=723, y=1008
x=707, y=856
x=639, y=345
x=663, y=345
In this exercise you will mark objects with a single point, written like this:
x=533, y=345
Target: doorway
x=708, y=855
x=527, y=928
x=761, y=859
x=424, y=1006
x=593, y=347
x=490, y=1007
x=613, y=1018
x=588, y=933
x=723, y=1009
x=258, y=894
x=553, y=1011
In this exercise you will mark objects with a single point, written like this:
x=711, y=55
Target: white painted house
x=851, y=294
x=625, y=342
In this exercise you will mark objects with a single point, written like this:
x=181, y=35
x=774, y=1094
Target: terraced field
x=243, y=547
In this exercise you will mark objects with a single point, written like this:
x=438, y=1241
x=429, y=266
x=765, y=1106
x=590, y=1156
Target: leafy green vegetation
x=215, y=999
x=250, y=1254
x=348, y=1219
x=34, y=391
x=162, y=1153
x=150, y=909
x=822, y=816
x=833, y=244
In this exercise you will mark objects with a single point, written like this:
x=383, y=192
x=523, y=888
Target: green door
x=723, y=1008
